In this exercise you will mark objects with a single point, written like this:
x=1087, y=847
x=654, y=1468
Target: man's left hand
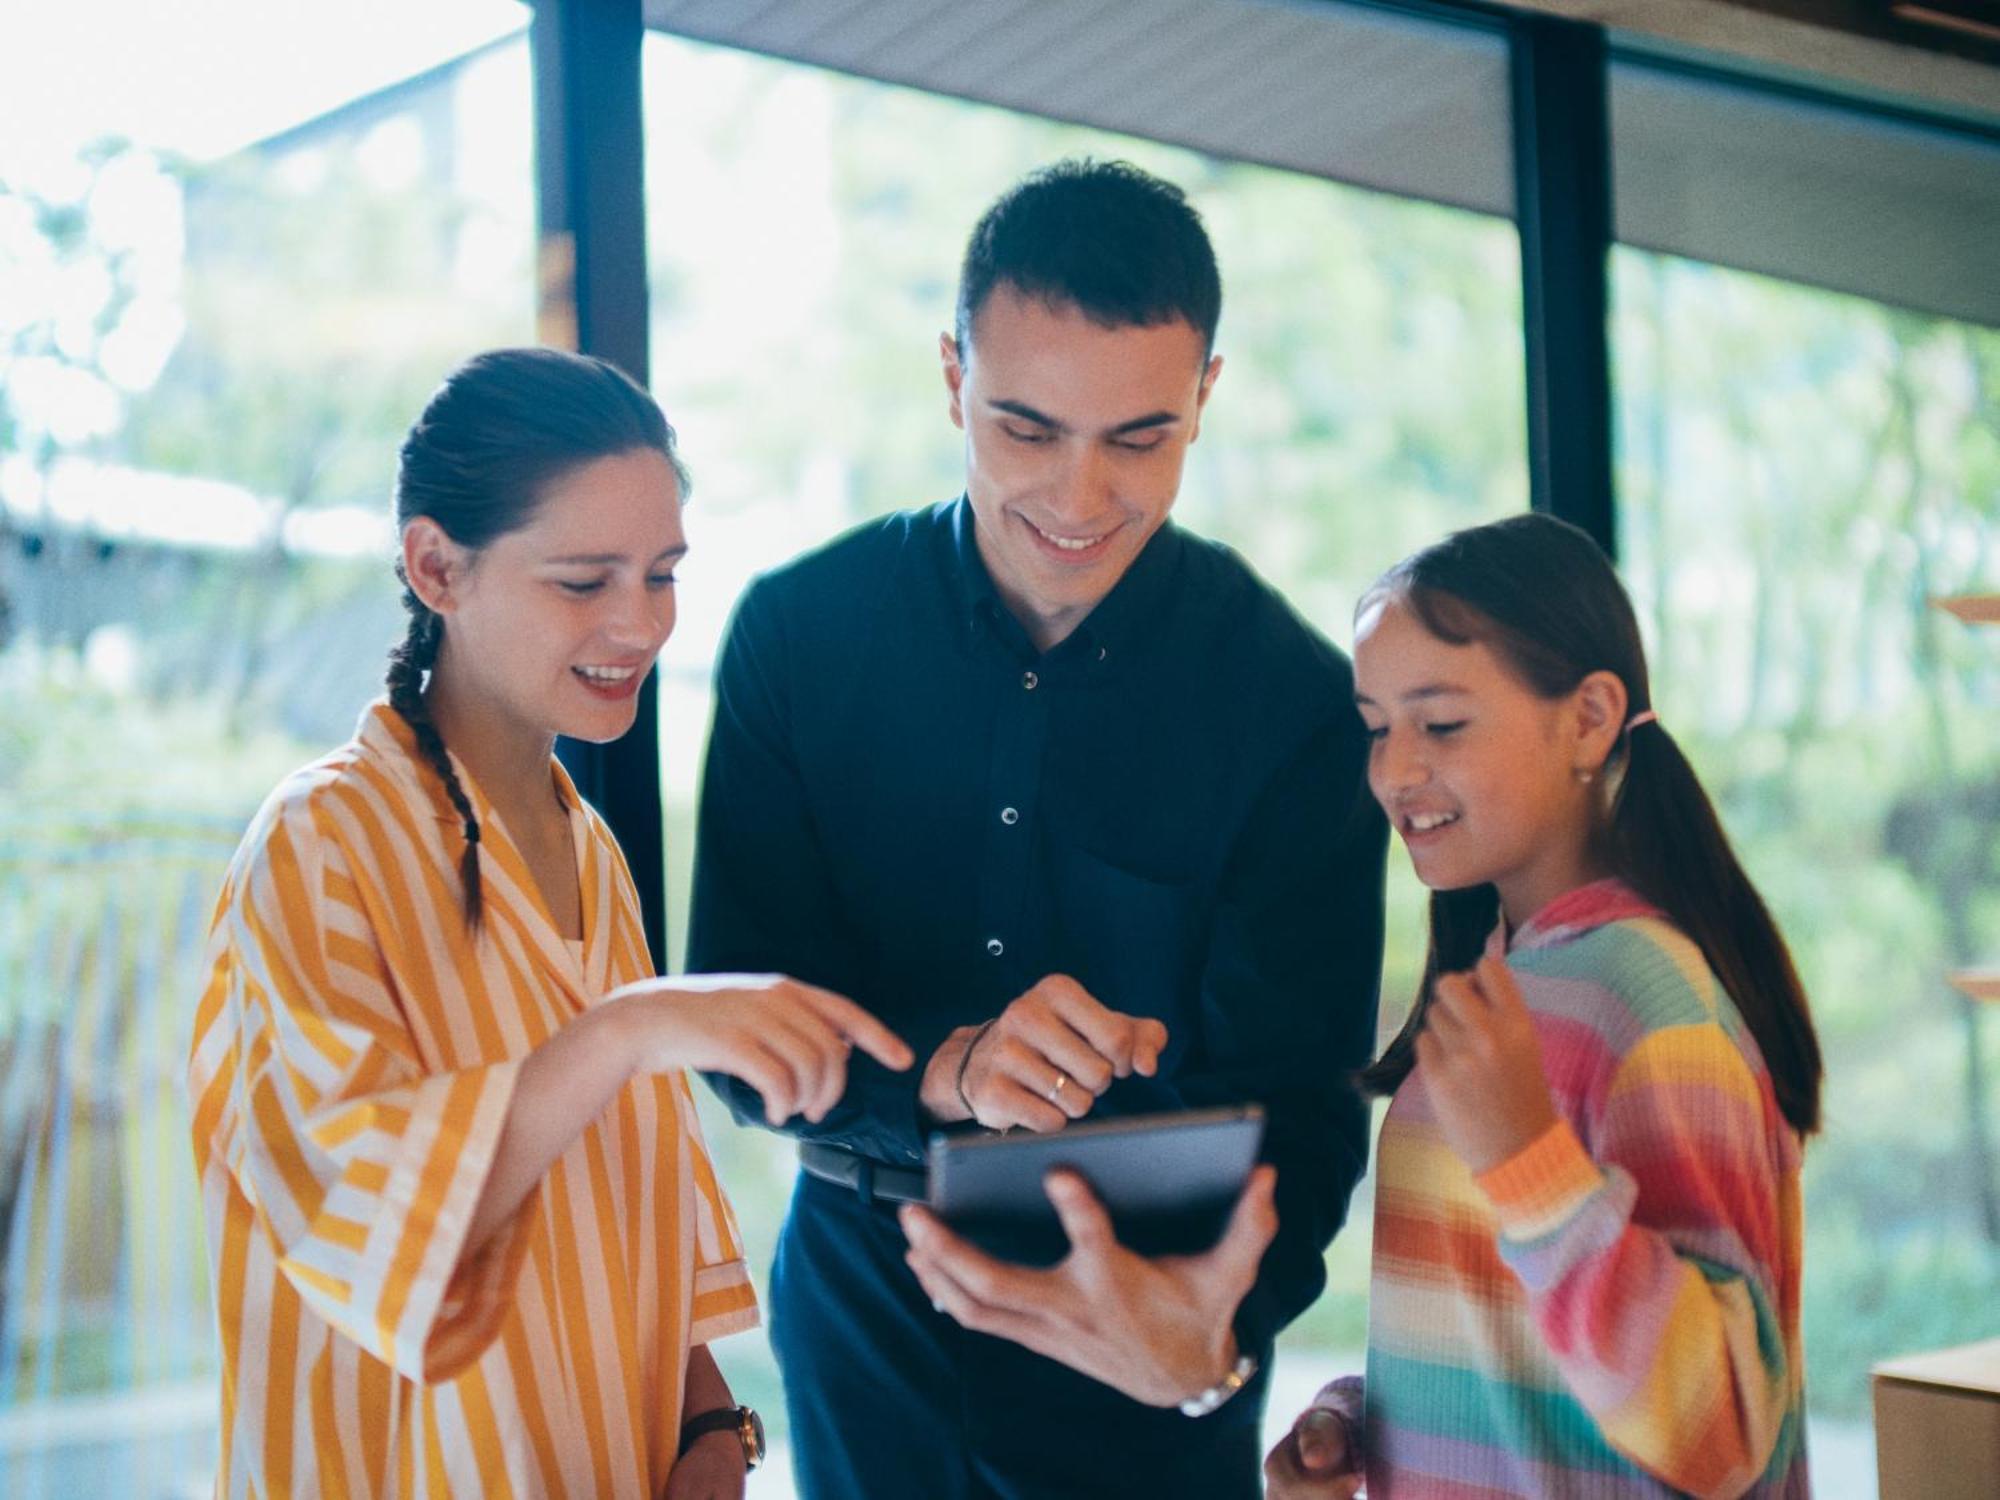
x=1158, y=1330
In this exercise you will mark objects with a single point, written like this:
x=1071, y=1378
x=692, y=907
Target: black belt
x=870, y=1178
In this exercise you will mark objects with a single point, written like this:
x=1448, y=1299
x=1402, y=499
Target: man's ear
x=1208, y=377
x=1600, y=702
x=954, y=377
x=433, y=564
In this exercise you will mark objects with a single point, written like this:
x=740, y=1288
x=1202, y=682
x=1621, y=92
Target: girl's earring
x=1584, y=775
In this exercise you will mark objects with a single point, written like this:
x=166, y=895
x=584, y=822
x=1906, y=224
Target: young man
x=1071, y=800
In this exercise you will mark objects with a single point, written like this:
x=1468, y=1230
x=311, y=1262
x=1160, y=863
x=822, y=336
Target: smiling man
x=1072, y=800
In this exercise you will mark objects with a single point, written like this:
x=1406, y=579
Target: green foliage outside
x=1797, y=472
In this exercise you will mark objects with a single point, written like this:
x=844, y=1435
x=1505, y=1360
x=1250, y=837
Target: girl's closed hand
x=1313, y=1460
x=1483, y=1066
x=788, y=1040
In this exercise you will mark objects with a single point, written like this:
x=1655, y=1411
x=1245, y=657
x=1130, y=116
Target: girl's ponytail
x=1666, y=842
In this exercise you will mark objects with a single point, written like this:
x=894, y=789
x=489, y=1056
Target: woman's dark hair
x=503, y=427
x=1541, y=594
x=1119, y=244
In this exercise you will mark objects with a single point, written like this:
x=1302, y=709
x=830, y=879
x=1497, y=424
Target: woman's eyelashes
x=584, y=587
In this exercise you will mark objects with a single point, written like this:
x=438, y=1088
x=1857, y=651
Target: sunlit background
x=240, y=242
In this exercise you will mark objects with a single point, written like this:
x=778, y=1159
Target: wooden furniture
x=1937, y=1424
x=1937, y=1415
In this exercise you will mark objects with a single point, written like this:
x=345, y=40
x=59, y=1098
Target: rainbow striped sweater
x=1614, y=1312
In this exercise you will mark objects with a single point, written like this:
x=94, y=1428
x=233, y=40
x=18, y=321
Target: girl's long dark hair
x=1541, y=594
x=503, y=427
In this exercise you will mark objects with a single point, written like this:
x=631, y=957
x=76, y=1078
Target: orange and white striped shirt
x=354, y=1055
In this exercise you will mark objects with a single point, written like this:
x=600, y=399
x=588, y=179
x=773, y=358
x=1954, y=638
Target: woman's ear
x=1600, y=702
x=433, y=564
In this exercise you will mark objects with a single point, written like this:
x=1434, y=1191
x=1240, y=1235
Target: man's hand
x=1158, y=1330
x=1483, y=1066
x=1312, y=1461
x=1043, y=1063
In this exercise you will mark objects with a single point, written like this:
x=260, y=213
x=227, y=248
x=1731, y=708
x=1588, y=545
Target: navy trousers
x=890, y=1400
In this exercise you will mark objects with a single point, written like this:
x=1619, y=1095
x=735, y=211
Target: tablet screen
x=1169, y=1181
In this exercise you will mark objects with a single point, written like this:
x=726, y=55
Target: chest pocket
x=1134, y=942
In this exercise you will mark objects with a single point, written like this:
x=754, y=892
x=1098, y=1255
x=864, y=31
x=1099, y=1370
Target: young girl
x=1587, y=1232
x=464, y=1233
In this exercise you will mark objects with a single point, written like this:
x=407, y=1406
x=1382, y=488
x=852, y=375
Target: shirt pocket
x=1135, y=941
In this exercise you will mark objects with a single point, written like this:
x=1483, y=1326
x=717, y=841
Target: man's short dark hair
x=1120, y=245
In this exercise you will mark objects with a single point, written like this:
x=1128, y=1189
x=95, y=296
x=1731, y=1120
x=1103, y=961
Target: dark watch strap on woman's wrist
x=740, y=1420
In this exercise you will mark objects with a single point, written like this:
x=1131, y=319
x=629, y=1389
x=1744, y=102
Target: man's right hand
x=1043, y=1063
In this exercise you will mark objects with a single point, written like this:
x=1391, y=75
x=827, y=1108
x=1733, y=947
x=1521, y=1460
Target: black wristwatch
x=741, y=1420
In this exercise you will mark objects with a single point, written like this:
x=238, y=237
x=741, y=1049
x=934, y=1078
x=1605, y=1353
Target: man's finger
x=1003, y=1102
x=1047, y=1050
x=1253, y=1224
x=1072, y=1052
x=955, y=1301
x=993, y=1282
x=1150, y=1043
x=1083, y=1217
x=1107, y=1031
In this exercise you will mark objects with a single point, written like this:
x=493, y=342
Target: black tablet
x=1169, y=1180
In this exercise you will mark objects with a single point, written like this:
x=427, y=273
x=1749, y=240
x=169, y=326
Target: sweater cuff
x=1541, y=1186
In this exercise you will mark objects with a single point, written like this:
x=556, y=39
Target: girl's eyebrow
x=1428, y=690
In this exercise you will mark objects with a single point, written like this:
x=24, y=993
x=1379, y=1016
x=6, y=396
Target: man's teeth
x=1068, y=543
x=606, y=674
x=1425, y=822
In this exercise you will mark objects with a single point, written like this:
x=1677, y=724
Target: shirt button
x=995, y=947
x=1009, y=816
x=1028, y=680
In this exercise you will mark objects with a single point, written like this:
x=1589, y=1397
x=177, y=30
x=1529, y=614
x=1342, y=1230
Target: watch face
x=753, y=1437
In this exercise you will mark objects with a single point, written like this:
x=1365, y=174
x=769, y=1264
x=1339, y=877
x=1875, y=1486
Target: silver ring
x=1062, y=1081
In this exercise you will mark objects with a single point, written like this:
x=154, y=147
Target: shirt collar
x=1108, y=630
x=1576, y=912
x=387, y=736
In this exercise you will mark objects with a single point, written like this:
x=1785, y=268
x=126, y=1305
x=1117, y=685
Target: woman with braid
x=464, y=1233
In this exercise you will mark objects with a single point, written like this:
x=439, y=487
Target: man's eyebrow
x=1028, y=413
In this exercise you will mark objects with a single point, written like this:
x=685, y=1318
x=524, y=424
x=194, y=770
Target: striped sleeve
x=1653, y=1269
x=363, y=1170
x=724, y=1300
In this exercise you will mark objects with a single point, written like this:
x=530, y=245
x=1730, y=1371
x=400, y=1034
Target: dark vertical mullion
x=1562, y=178
x=590, y=181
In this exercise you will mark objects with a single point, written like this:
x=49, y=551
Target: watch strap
x=722, y=1419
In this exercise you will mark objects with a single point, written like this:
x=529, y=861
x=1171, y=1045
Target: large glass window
x=214, y=326
x=805, y=232
x=1799, y=473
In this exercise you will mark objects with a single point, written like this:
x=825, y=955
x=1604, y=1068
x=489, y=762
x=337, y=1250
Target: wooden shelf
x=1980, y=984
x=1974, y=609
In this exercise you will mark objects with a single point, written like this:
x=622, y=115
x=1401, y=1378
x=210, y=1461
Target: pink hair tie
x=1648, y=717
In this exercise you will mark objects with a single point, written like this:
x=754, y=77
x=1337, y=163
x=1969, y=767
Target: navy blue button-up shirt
x=906, y=803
